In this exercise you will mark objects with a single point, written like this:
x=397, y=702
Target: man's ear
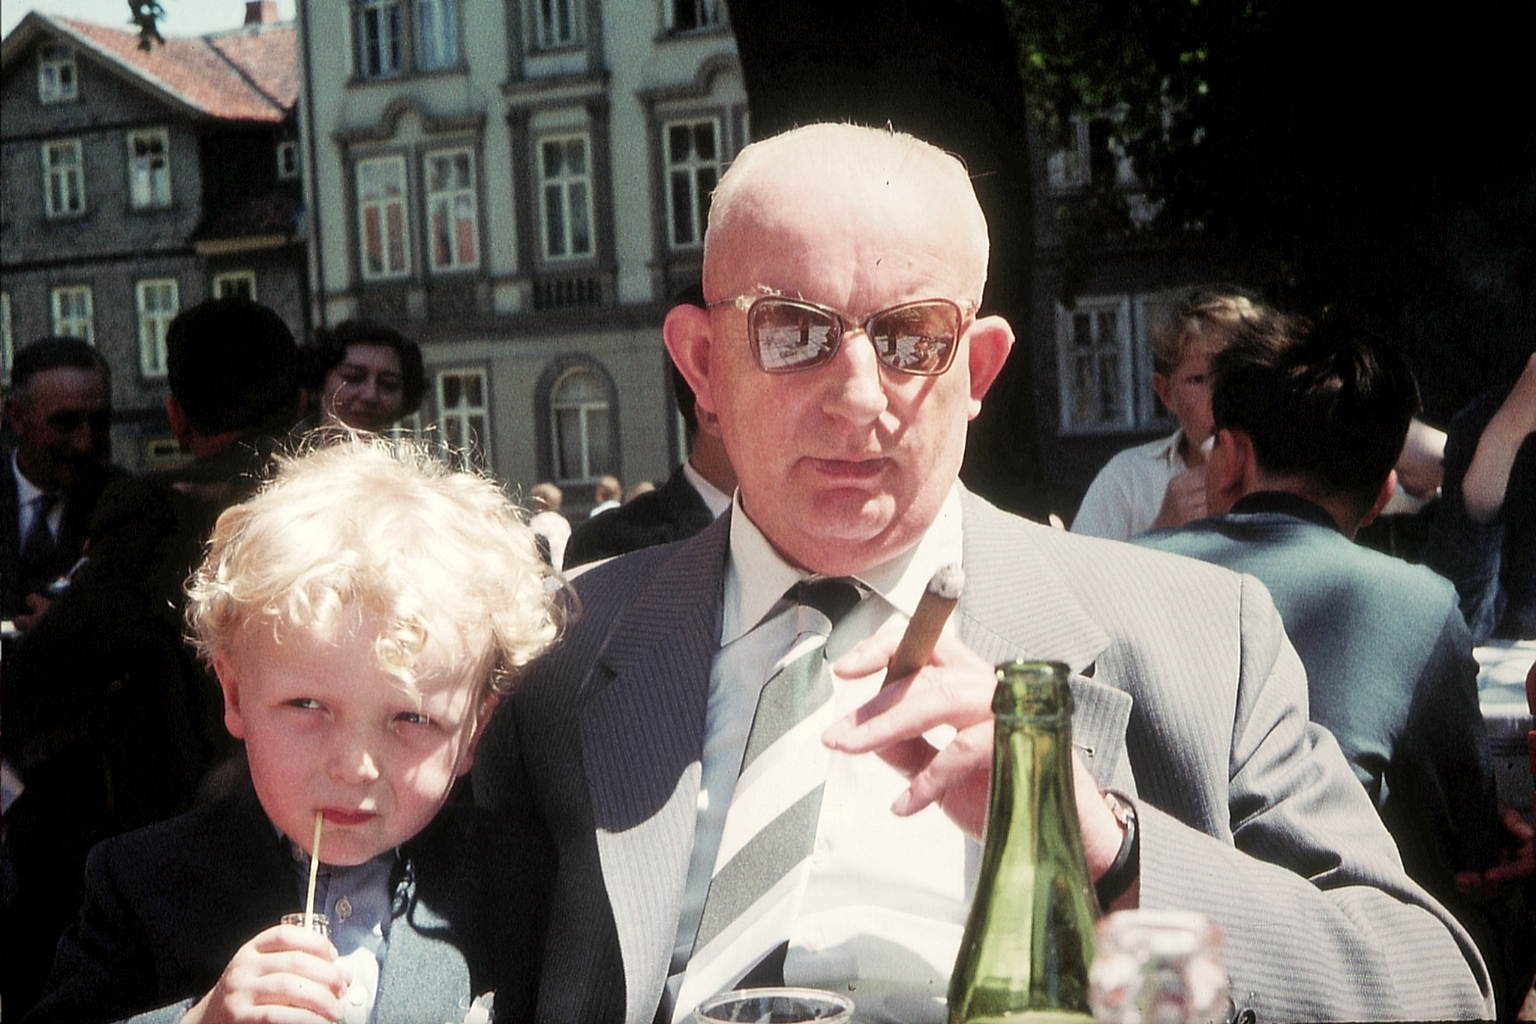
x=688, y=334
x=988, y=343
x=1388, y=488
x=180, y=425
x=1229, y=470
x=224, y=668
x=467, y=756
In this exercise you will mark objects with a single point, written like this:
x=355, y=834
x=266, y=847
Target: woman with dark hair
x=364, y=375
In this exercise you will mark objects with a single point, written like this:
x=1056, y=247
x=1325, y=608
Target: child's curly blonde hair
x=438, y=560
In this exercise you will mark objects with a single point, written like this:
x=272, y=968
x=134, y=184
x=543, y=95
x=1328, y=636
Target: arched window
x=581, y=425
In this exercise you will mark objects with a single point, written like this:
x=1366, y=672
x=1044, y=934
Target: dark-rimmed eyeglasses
x=789, y=335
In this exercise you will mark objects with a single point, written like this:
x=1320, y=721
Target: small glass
x=775, y=1006
x=1158, y=967
x=317, y=922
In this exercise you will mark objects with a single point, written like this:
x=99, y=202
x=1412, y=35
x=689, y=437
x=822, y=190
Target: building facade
x=139, y=182
x=521, y=187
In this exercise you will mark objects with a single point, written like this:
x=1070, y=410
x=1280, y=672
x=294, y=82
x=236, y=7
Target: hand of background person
x=1184, y=500
x=37, y=606
x=1517, y=861
x=285, y=975
x=955, y=689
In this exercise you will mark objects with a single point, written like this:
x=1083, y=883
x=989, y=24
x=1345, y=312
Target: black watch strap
x=1122, y=874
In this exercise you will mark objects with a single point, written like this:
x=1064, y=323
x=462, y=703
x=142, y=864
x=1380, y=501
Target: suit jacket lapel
x=642, y=744
x=1017, y=604
x=423, y=977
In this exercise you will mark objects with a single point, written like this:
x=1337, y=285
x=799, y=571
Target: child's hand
x=1184, y=500
x=285, y=975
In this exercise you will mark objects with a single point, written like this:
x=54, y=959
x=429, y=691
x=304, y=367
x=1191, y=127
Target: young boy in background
x=1162, y=483
x=363, y=614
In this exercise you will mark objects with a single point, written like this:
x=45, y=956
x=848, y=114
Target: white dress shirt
x=887, y=898
x=1126, y=496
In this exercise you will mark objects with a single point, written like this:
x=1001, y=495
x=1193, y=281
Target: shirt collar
x=26, y=490
x=1284, y=503
x=714, y=498
x=756, y=576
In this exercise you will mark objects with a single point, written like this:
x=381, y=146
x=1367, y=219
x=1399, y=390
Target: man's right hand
x=1184, y=501
x=285, y=975
x=955, y=688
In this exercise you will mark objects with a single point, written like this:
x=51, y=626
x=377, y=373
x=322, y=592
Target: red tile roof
x=242, y=75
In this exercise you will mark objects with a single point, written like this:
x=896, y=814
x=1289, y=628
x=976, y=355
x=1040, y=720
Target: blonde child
x=1162, y=483
x=363, y=612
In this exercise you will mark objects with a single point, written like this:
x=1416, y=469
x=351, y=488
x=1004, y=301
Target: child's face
x=1187, y=394
x=325, y=730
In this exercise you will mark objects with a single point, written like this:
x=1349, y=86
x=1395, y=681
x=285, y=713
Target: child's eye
x=307, y=703
x=414, y=718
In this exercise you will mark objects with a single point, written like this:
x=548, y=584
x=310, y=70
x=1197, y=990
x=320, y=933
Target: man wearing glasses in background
x=843, y=355
x=59, y=407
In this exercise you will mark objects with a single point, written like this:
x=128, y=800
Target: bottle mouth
x=1032, y=689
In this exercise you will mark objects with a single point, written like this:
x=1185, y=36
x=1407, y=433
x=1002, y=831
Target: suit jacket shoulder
x=674, y=511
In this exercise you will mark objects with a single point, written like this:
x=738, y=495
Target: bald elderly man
x=843, y=354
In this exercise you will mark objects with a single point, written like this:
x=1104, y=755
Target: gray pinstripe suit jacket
x=1196, y=703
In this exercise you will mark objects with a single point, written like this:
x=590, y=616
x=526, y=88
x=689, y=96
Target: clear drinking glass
x=1158, y=967
x=317, y=922
x=775, y=1006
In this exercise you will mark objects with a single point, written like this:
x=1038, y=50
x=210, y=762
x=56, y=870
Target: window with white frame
x=287, y=160
x=451, y=210
x=158, y=304
x=380, y=37
x=689, y=15
x=1095, y=363
x=463, y=414
x=437, y=34
x=567, y=188
x=381, y=218
x=556, y=23
x=149, y=168
x=56, y=78
x=1092, y=155
x=235, y=284
x=63, y=178
x=7, y=346
x=580, y=425
x=693, y=168
x=72, y=312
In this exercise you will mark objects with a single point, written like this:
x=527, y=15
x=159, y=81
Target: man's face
x=62, y=426
x=844, y=465
x=327, y=731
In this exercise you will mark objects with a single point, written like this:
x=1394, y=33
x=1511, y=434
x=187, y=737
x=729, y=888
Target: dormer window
x=56, y=80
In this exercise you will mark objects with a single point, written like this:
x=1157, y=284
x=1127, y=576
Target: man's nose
x=858, y=393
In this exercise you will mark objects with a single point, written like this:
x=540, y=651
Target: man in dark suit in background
x=59, y=407
x=693, y=496
x=109, y=717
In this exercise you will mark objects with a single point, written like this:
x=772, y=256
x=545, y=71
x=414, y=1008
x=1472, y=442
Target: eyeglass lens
x=917, y=337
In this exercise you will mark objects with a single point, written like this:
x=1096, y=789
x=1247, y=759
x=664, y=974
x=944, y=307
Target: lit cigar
x=927, y=623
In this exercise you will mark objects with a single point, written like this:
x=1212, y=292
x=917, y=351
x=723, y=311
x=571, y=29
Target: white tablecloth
x=1501, y=692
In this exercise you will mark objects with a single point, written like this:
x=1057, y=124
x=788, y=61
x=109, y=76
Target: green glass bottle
x=1029, y=939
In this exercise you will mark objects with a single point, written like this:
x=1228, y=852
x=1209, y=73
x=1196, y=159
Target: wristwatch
x=1125, y=869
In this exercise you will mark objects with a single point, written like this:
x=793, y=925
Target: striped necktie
x=761, y=870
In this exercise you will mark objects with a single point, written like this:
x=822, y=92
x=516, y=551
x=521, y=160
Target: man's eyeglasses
x=67, y=421
x=789, y=335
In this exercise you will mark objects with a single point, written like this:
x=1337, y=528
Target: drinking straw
x=314, y=872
